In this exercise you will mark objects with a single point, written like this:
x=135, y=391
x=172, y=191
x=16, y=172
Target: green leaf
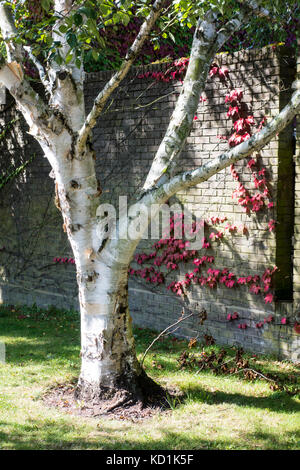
x=101, y=41
x=63, y=28
x=46, y=4
x=95, y=55
x=58, y=59
x=69, y=57
x=125, y=19
x=78, y=20
x=92, y=28
x=88, y=12
x=71, y=39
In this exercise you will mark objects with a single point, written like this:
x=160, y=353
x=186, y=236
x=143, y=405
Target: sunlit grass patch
x=212, y=412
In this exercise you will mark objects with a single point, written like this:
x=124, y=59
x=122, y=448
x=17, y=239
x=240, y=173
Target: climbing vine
x=177, y=40
x=171, y=253
x=11, y=172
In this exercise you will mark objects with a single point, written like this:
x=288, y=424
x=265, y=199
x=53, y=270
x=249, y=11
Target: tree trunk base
x=139, y=392
x=142, y=399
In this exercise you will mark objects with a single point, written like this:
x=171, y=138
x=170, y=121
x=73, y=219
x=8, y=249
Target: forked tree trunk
x=109, y=369
x=109, y=364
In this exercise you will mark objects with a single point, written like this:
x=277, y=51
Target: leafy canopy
x=91, y=24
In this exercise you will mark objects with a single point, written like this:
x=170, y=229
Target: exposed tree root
x=139, y=399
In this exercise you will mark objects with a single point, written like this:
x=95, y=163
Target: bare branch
x=34, y=110
x=11, y=73
x=255, y=371
x=207, y=41
x=8, y=30
x=115, y=80
x=40, y=68
x=255, y=7
x=182, y=318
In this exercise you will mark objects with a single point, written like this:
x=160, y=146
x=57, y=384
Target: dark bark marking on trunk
x=57, y=200
x=74, y=184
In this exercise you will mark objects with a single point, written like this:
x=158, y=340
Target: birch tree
x=58, y=121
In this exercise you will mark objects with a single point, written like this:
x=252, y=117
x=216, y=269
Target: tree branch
x=63, y=10
x=36, y=113
x=182, y=318
x=207, y=41
x=40, y=68
x=190, y=178
x=11, y=73
x=115, y=80
x=255, y=7
x=8, y=30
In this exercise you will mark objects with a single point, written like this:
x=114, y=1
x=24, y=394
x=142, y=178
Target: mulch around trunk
x=63, y=397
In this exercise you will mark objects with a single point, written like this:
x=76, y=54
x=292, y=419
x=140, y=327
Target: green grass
x=218, y=412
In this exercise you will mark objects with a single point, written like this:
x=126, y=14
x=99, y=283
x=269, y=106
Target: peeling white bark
x=188, y=179
x=9, y=78
x=257, y=8
x=115, y=80
x=107, y=343
x=207, y=41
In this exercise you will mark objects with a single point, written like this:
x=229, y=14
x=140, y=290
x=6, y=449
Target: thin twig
x=181, y=319
x=256, y=372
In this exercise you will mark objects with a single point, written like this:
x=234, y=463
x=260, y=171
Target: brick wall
x=296, y=227
x=126, y=139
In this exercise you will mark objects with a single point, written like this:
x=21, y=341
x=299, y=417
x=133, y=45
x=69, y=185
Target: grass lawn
x=218, y=412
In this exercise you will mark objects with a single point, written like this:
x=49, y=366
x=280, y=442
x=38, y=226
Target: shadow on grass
x=38, y=434
x=33, y=341
x=279, y=402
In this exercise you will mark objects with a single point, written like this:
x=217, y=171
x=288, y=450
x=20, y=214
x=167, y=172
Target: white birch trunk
x=109, y=364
